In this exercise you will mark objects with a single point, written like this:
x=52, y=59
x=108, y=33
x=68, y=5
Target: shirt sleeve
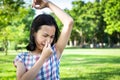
x=55, y=54
x=19, y=57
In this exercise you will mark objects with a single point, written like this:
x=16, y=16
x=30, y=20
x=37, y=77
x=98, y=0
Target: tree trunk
x=75, y=42
x=82, y=41
x=5, y=44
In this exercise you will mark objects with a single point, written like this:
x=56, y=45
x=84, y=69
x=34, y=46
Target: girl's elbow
x=71, y=22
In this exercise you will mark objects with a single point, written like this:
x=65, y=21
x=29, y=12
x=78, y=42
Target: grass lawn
x=76, y=64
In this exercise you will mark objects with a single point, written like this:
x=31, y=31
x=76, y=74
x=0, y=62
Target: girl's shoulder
x=23, y=54
x=20, y=57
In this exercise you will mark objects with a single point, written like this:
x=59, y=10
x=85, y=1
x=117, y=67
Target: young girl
x=45, y=48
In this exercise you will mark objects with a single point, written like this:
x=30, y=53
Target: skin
x=43, y=39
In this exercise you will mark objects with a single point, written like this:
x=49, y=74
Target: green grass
x=76, y=64
x=90, y=64
x=7, y=70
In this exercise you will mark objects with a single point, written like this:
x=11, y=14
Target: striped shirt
x=49, y=70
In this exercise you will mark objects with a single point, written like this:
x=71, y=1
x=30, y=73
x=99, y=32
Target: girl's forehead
x=47, y=29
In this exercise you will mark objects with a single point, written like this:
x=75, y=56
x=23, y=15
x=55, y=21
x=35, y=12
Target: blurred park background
x=93, y=50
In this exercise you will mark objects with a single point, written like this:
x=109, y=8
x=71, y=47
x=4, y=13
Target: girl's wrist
x=42, y=59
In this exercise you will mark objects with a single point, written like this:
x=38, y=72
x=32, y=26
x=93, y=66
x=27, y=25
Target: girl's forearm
x=64, y=17
x=32, y=73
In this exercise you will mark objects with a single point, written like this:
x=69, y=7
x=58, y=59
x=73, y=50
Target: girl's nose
x=48, y=40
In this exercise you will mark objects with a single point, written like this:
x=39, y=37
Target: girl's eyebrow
x=48, y=34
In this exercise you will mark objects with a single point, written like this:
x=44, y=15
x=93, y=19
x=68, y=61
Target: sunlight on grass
x=89, y=64
x=76, y=64
x=7, y=70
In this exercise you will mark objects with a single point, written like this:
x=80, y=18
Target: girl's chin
x=40, y=48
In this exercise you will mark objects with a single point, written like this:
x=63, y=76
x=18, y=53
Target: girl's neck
x=36, y=52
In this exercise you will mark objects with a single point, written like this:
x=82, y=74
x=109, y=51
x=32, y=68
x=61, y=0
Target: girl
x=45, y=47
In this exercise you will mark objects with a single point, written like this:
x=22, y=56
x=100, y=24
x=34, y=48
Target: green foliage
x=95, y=22
x=87, y=19
x=8, y=9
x=12, y=21
x=112, y=16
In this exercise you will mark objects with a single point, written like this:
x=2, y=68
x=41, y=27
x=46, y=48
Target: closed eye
x=45, y=35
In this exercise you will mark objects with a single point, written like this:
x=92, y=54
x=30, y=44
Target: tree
x=112, y=15
x=27, y=21
x=89, y=22
x=112, y=18
x=11, y=15
x=86, y=20
x=8, y=9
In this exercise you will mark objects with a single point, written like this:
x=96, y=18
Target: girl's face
x=44, y=34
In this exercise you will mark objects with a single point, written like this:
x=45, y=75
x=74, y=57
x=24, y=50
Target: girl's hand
x=39, y=4
x=47, y=51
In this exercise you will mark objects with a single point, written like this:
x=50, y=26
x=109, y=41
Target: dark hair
x=42, y=19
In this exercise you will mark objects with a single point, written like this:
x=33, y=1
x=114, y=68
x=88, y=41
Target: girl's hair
x=42, y=19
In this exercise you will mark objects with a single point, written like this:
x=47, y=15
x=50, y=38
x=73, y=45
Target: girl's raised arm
x=67, y=22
